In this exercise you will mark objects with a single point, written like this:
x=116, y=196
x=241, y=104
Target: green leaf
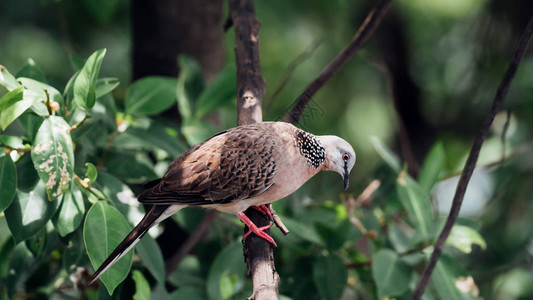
x=390, y=274
x=228, y=285
x=416, y=203
x=73, y=252
x=5, y=253
x=11, y=141
x=220, y=91
x=70, y=213
x=31, y=70
x=68, y=92
x=27, y=177
x=303, y=231
x=102, y=10
x=386, y=154
x=330, y=276
x=398, y=238
x=190, y=84
x=132, y=167
x=188, y=273
x=91, y=172
x=8, y=80
x=85, y=82
x=444, y=278
x=53, y=156
x=150, y=95
x=197, y=131
x=142, y=288
x=189, y=292
x=432, y=167
x=105, y=85
x=29, y=212
x=159, y=292
x=334, y=235
x=463, y=237
x=154, y=136
x=121, y=195
x=104, y=228
x=39, y=93
x=228, y=262
x=30, y=124
x=36, y=243
x=8, y=181
x=12, y=106
x=152, y=258
x=41, y=89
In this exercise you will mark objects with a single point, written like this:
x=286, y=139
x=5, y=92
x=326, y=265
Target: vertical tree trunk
x=258, y=253
x=161, y=31
x=164, y=29
x=415, y=134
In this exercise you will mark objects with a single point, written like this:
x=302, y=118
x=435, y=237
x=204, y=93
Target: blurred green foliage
x=341, y=245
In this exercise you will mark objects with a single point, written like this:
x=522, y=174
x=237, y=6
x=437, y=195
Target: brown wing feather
x=237, y=164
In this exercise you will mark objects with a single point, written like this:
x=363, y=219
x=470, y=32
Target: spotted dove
x=250, y=165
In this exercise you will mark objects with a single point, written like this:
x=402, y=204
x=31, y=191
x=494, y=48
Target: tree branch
x=365, y=31
x=472, y=159
x=250, y=83
x=258, y=253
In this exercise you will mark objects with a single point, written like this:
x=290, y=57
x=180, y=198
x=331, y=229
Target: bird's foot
x=264, y=210
x=259, y=231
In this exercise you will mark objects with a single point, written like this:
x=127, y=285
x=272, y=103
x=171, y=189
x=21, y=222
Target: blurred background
x=426, y=77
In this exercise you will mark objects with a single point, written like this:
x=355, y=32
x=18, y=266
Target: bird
x=245, y=166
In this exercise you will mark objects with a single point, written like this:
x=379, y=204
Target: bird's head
x=340, y=156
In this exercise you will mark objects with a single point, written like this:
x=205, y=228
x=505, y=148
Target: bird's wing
x=235, y=165
x=155, y=215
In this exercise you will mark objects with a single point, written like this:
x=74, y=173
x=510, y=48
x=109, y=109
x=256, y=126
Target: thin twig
x=368, y=193
x=289, y=72
x=520, y=150
x=277, y=220
x=359, y=264
x=365, y=31
x=472, y=158
x=82, y=122
x=504, y=135
x=86, y=186
x=363, y=199
x=191, y=241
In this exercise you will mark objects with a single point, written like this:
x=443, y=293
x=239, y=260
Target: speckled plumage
x=311, y=148
x=236, y=164
x=244, y=166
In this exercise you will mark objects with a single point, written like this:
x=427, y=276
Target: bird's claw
x=259, y=231
x=264, y=210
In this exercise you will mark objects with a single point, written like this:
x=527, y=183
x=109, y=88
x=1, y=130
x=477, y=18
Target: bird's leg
x=253, y=228
x=264, y=210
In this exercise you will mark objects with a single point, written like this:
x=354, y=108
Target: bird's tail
x=155, y=215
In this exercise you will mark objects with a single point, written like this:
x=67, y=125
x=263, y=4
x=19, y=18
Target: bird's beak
x=346, y=177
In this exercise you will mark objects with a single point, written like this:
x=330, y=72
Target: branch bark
x=250, y=83
x=365, y=31
x=472, y=159
x=251, y=86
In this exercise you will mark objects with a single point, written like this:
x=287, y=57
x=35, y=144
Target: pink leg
x=262, y=228
x=264, y=210
x=253, y=228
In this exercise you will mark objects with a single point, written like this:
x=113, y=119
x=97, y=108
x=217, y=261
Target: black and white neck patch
x=310, y=148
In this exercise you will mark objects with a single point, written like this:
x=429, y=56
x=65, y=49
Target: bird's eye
x=345, y=156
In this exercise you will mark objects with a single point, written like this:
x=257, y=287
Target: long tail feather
x=155, y=215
